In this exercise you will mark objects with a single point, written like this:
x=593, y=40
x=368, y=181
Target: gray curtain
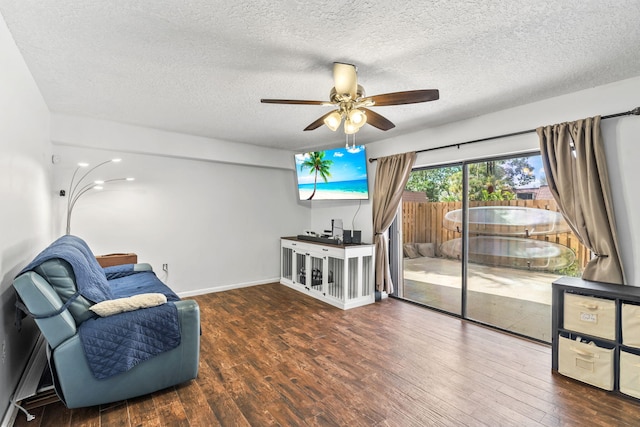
x=576, y=169
x=392, y=174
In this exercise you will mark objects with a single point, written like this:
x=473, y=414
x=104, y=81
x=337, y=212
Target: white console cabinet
x=340, y=275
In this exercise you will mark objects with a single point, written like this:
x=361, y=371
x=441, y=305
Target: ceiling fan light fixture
x=352, y=105
x=357, y=117
x=349, y=127
x=333, y=120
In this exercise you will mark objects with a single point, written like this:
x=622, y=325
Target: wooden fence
x=422, y=222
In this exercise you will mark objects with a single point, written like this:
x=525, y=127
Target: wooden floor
x=272, y=356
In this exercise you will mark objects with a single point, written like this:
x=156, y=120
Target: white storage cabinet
x=340, y=275
x=596, y=334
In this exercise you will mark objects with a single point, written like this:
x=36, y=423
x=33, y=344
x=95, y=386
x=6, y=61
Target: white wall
x=622, y=148
x=354, y=215
x=217, y=225
x=94, y=133
x=25, y=191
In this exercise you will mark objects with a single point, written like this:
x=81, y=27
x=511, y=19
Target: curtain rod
x=634, y=112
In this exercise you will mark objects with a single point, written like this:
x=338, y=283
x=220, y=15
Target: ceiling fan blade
x=378, y=121
x=408, y=97
x=315, y=125
x=345, y=79
x=293, y=101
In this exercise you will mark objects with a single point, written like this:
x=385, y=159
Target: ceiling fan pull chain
x=353, y=141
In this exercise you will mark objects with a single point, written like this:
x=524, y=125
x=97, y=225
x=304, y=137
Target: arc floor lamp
x=77, y=189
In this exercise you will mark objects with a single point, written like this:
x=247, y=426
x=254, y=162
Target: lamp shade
x=333, y=120
x=349, y=127
x=357, y=117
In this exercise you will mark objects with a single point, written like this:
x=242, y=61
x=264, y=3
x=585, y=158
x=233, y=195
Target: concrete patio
x=512, y=299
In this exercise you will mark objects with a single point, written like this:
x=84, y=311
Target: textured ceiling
x=200, y=67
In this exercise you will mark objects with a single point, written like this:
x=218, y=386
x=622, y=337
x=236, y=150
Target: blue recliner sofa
x=97, y=359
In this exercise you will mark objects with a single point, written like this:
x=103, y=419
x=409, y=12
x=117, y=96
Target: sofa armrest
x=41, y=300
x=138, y=267
x=143, y=266
x=190, y=331
x=189, y=317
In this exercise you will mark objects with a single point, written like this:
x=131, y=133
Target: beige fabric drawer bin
x=631, y=325
x=586, y=362
x=590, y=315
x=630, y=374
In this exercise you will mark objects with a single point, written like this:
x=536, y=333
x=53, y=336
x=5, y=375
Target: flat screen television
x=339, y=174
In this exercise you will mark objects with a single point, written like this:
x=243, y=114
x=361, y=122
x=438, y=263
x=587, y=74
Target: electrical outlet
x=165, y=267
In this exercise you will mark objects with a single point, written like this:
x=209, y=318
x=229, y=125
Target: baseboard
x=227, y=287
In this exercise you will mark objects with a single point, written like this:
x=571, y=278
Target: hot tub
x=511, y=252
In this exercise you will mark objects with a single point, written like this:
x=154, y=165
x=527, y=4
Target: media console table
x=340, y=275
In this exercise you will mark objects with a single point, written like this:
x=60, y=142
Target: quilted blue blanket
x=141, y=282
x=117, y=343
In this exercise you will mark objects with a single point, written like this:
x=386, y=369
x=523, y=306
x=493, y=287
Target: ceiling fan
x=352, y=104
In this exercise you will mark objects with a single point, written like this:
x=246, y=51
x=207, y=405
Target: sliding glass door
x=484, y=240
x=429, y=278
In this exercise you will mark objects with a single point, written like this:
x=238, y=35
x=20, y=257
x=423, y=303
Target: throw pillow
x=134, y=302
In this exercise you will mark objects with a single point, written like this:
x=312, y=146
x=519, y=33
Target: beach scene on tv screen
x=332, y=174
